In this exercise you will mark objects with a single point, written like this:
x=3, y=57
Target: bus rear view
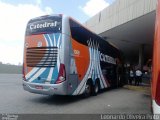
x=43, y=69
x=63, y=57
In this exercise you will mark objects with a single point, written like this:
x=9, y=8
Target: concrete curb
x=145, y=89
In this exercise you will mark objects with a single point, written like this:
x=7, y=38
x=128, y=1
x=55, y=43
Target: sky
x=14, y=15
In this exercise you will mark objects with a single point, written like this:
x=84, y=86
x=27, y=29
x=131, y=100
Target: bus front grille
x=41, y=56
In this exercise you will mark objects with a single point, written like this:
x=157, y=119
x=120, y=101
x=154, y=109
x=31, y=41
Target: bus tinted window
x=81, y=34
x=44, y=25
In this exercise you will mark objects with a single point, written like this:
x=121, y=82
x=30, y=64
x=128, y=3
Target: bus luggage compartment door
x=72, y=83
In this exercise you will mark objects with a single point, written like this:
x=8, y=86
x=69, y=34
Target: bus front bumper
x=46, y=89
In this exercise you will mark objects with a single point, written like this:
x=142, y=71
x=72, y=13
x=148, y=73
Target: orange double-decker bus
x=63, y=57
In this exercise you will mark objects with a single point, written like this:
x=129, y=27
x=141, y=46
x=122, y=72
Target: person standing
x=138, y=77
x=131, y=76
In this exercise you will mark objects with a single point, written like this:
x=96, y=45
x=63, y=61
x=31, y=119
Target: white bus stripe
x=31, y=72
x=97, y=64
x=50, y=40
x=54, y=40
x=100, y=71
x=49, y=78
x=37, y=74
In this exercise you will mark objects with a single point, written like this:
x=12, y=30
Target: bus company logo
x=39, y=44
x=76, y=52
x=26, y=45
x=106, y=58
x=103, y=57
x=43, y=25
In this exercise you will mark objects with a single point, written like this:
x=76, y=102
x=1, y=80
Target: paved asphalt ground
x=13, y=99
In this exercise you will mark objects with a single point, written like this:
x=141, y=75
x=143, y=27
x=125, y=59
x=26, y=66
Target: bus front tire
x=88, y=89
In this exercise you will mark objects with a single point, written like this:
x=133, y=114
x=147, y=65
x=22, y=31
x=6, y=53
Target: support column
x=141, y=56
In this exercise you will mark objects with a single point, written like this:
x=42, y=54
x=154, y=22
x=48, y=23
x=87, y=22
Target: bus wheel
x=96, y=88
x=88, y=89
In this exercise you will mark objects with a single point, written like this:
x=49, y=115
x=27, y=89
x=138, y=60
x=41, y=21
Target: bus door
x=73, y=76
x=111, y=74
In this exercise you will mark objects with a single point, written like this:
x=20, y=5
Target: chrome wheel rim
x=87, y=88
x=96, y=88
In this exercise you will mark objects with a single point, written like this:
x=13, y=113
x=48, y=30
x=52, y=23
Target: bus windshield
x=43, y=25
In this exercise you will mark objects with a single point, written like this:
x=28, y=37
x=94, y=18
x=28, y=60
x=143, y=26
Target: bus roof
x=61, y=15
x=94, y=33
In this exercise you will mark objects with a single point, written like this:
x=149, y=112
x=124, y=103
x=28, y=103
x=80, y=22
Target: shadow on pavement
x=63, y=100
x=57, y=99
